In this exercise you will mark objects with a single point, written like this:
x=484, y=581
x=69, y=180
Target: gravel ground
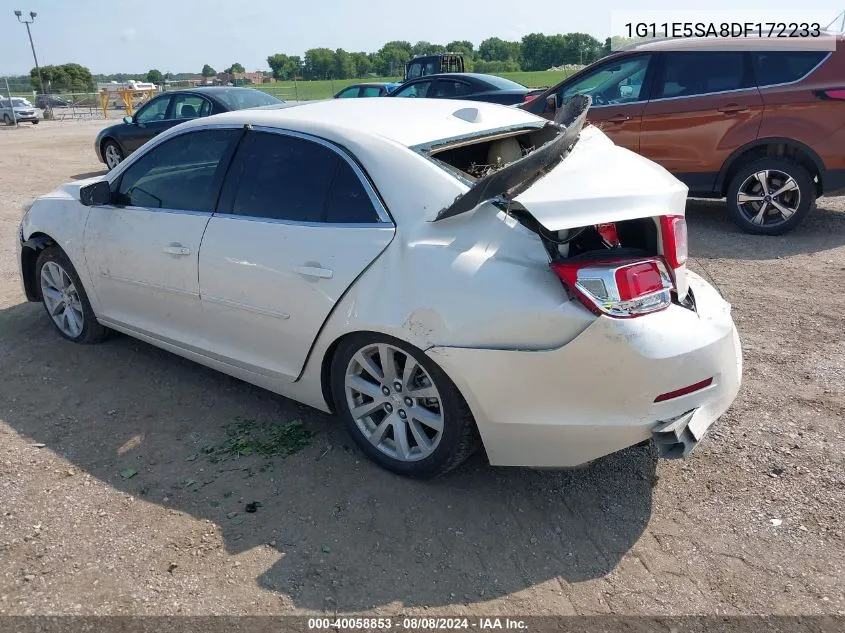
x=111, y=504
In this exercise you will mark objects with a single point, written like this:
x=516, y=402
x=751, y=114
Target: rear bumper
x=595, y=395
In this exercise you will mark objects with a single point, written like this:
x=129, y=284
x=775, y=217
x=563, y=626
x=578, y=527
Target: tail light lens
x=837, y=94
x=608, y=234
x=673, y=231
x=621, y=288
x=528, y=98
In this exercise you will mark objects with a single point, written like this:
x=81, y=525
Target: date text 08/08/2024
x=724, y=29
x=417, y=623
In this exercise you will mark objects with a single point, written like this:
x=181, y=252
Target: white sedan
x=439, y=274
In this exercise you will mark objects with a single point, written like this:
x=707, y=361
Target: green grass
x=325, y=89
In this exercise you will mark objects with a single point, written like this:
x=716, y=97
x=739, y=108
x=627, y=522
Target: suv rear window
x=688, y=73
x=780, y=67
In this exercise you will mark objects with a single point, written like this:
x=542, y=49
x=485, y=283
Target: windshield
x=18, y=103
x=503, y=84
x=247, y=98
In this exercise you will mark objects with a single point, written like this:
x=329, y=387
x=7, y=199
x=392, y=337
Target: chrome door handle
x=177, y=249
x=619, y=118
x=313, y=271
x=732, y=108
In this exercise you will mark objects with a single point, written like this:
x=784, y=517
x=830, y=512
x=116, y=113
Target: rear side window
x=780, y=67
x=348, y=200
x=371, y=91
x=690, y=73
x=298, y=180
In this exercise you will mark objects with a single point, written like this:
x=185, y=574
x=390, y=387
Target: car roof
x=478, y=76
x=432, y=119
x=720, y=44
x=365, y=84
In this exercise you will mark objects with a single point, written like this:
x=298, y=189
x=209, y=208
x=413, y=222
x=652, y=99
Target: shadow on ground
x=89, y=174
x=712, y=234
x=351, y=535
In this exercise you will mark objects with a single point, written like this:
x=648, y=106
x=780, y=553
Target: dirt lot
x=110, y=501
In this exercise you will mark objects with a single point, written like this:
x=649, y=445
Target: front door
x=297, y=223
x=142, y=249
x=619, y=89
x=705, y=105
x=151, y=120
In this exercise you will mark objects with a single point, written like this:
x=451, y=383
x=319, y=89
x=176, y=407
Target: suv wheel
x=770, y=196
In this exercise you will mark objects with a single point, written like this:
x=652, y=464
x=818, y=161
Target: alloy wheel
x=113, y=157
x=62, y=299
x=394, y=402
x=768, y=197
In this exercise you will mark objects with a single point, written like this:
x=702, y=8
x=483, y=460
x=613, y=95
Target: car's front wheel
x=770, y=196
x=64, y=298
x=8, y=120
x=112, y=154
x=400, y=407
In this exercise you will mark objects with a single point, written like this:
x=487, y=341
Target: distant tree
x=319, y=63
x=363, y=64
x=495, y=49
x=285, y=66
x=344, y=65
x=62, y=77
x=461, y=46
x=155, y=77
x=234, y=68
x=392, y=58
x=208, y=71
x=426, y=48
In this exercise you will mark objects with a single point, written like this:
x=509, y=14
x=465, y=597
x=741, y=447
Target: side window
x=448, y=88
x=189, y=107
x=155, y=110
x=371, y=91
x=612, y=83
x=689, y=73
x=348, y=200
x=178, y=174
x=780, y=67
x=417, y=89
x=349, y=93
x=285, y=178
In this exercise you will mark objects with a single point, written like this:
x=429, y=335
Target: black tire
x=8, y=120
x=35, y=122
x=92, y=331
x=806, y=191
x=459, y=437
x=114, y=145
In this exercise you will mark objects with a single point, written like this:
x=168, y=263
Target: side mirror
x=128, y=119
x=551, y=102
x=95, y=194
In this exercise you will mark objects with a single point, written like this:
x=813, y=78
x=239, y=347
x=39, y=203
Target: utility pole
x=11, y=105
x=23, y=20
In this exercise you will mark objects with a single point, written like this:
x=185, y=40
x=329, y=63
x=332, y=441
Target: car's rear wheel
x=112, y=154
x=35, y=122
x=400, y=407
x=64, y=298
x=770, y=196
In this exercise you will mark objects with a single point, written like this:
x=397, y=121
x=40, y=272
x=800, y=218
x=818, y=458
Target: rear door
x=705, y=105
x=619, y=90
x=416, y=89
x=297, y=222
x=450, y=89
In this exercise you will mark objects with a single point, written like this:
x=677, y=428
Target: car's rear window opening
x=478, y=157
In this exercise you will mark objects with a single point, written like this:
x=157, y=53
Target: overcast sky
x=111, y=36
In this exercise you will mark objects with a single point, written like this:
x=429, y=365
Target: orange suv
x=763, y=128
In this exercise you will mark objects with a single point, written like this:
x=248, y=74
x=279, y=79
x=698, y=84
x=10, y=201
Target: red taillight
x=528, y=98
x=619, y=288
x=673, y=230
x=663, y=397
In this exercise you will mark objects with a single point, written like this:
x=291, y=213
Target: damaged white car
x=441, y=275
